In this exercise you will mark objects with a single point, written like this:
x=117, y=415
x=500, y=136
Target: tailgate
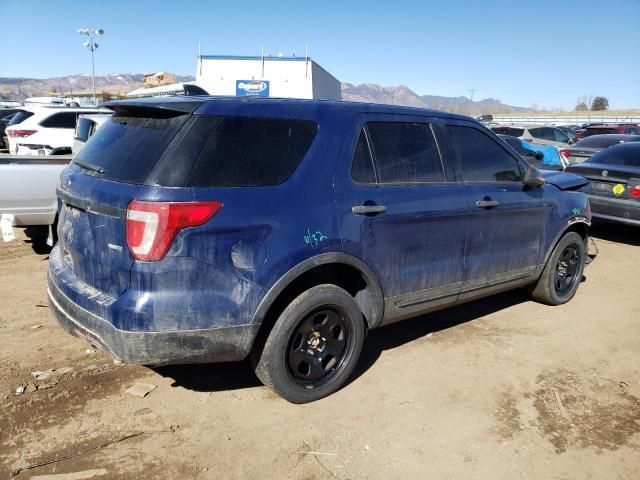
x=96, y=189
x=91, y=231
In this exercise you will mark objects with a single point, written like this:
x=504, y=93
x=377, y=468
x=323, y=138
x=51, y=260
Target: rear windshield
x=514, y=132
x=20, y=117
x=599, y=131
x=624, y=156
x=597, y=141
x=125, y=148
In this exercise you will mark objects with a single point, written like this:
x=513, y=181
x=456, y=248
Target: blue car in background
x=204, y=229
x=546, y=157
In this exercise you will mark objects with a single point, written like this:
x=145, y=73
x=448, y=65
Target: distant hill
x=402, y=95
x=20, y=88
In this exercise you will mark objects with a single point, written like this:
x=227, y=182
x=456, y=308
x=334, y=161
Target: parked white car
x=49, y=130
x=85, y=127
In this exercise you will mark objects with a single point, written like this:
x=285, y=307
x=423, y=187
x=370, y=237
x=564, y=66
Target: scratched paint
x=314, y=239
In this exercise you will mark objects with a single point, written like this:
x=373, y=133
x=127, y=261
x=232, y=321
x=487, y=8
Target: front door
x=506, y=228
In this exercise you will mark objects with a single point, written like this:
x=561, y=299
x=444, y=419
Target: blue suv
x=203, y=229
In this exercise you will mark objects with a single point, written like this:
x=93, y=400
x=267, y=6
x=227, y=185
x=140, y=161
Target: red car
x=609, y=128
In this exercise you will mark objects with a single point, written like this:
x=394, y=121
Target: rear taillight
x=635, y=191
x=152, y=226
x=20, y=133
x=565, y=154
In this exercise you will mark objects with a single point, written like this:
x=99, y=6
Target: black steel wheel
x=567, y=267
x=563, y=272
x=314, y=345
x=317, y=347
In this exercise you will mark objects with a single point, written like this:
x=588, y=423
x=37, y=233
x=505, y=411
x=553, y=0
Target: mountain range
x=402, y=95
x=20, y=88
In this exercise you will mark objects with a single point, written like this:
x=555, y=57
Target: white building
x=284, y=77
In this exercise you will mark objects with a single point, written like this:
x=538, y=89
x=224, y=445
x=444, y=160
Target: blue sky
x=538, y=52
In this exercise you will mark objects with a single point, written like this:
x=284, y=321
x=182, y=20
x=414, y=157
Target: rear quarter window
x=229, y=151
x=247, y=151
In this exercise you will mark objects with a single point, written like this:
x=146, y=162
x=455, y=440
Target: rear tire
x=563, y=272
x=314, y=345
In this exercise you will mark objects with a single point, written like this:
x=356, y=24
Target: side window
x=362, y=167
x=250, y=151
x=405, y=152
x=536, y=132
x=60, y=120
x=480, y=158
x=560, y=136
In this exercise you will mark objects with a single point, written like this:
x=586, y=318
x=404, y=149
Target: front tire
x=563, y=272
x=313, y=346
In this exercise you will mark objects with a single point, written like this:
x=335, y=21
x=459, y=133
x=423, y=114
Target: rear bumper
x=152, y=348
x=615, y=210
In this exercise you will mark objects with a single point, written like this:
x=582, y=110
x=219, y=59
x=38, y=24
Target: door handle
x=368, y=209
x=487, y=203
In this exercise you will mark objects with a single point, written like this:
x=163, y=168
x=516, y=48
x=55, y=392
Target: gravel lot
x=502, y=388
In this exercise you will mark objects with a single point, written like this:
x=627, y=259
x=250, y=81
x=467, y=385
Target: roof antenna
x=199, y=59
x=262, y=76
x=306, y=60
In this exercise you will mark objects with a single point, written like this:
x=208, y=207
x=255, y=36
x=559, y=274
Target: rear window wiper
x=89, y=166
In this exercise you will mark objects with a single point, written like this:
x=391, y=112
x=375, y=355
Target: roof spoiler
x=154, y=107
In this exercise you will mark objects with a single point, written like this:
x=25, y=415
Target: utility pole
x=471, y=91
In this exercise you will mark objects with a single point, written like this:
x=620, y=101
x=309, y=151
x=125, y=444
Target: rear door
x=506, y=228
x=402, y=212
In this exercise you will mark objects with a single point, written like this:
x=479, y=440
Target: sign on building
x=252, y=88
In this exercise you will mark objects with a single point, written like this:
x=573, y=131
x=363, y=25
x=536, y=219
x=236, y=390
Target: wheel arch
x=342, y=270
x=579, y=225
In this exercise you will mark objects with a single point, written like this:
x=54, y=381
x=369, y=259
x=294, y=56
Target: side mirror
x=539, y=155
x=533, y=177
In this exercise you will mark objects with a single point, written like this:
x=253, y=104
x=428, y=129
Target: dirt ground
x=502, y=388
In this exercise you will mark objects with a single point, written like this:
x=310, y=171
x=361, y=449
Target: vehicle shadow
x=239, y=375
x=37, y=237
x=615, y=232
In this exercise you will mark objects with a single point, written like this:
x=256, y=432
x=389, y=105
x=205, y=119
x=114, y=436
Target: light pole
x=91, y=45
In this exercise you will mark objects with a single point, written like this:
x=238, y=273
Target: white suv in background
x=48, y=130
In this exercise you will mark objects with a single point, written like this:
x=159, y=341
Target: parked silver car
x=540, y=134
